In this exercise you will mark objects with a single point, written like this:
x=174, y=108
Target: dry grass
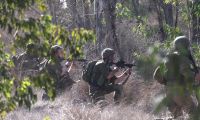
x=138, y=105
x=64, y=110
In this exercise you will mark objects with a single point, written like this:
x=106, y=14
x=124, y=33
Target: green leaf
x=42, y=7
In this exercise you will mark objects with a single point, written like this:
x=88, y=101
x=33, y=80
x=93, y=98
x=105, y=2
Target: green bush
x=31, y=30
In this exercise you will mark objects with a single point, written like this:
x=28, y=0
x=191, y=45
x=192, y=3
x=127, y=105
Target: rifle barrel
x=123, y=65
x=80, y=60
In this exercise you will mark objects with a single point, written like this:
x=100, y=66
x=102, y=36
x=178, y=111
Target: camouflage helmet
x=181, y=42
x=31, y=48
x=54, y=49
x=107, y=52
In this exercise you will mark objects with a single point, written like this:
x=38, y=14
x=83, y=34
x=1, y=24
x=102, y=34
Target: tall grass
x=74, y=105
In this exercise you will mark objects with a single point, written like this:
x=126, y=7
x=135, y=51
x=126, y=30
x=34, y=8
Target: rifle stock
x=122, y=64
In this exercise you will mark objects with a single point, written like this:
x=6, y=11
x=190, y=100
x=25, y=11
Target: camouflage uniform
x=54, y=68
x=180, y=78
x=62, y=82
x=27, y=62
x=101, y=86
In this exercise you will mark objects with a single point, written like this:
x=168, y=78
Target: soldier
x=179, y=77
x=28, y=62
x=59, y=70
x=103, y=78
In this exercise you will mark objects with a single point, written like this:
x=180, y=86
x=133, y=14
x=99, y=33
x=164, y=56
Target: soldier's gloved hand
x=128, y=71
x=197, y=77
x=112, y=73
x=116, y=69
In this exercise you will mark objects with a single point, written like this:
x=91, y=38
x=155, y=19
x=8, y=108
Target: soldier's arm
x=197, y=78
x=69, y=66
x=121, y=76
x=19, y=60
x=112, y=73
x=124, y=75
x=186, y=71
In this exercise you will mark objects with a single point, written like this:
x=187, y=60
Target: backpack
x=88, y=71
x=169, y=70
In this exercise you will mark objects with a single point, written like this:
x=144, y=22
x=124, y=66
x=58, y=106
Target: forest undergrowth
x=140, y=100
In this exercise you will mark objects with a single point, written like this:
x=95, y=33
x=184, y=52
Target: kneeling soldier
x=103, y=78
x=58, y=71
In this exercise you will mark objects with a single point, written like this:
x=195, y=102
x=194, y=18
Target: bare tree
x=160, y=19
x=86, y=17
x=110, y=18
x=168, y=13
x=136, y=7
x=98, y=10
x=59, y=12
x=195, y=23
x=77, y=21
x=177, y=14
x=52, y=8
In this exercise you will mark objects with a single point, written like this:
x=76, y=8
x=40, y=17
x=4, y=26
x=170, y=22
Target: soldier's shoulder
x=50, y=63
x=18, y=58
x=100, y=63
x=22, y=54
x=49, y=66
x=173, y=58
x=173, y=55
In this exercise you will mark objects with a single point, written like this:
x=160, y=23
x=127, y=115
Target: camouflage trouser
x=179, y=103
x=64, y=84
x=97, y=93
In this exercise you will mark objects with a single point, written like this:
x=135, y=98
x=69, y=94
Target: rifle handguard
x=122, y=64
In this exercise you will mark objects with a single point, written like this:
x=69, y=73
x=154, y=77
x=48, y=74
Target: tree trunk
x=168, y=12
x=195, y=24
x=51, y=4
x=98, y=20
x=160, y=20
x=86, y=14
x=77, y=21
x=110, y=18
x=136, y=7
x=177, y=14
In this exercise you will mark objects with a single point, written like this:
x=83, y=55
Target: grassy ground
x=140, y=99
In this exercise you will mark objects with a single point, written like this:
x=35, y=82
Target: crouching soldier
x=103, y=78
x=59, y=70
x=27, y=62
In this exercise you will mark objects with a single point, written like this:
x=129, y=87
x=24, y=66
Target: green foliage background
x=41, y=31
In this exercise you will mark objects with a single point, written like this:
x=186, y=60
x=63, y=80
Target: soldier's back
x=100, y=73
x=172, y=65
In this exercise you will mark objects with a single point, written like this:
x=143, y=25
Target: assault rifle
x=196, y=70
x=122, y=64
x=45, y=61
x=77, y=59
